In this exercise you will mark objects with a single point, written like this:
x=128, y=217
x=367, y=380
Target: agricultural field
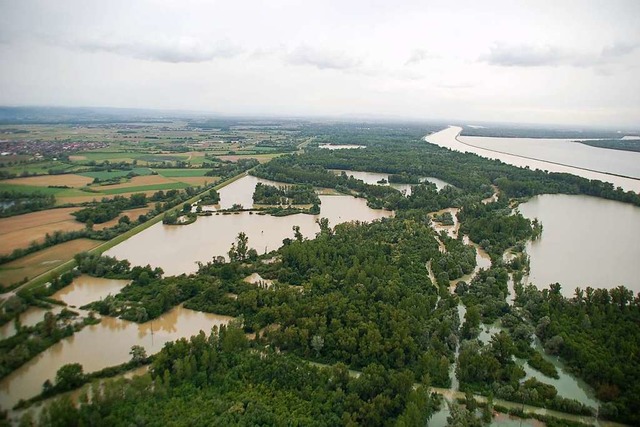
x=19, y=231
x=66, y=180
x=40, y=262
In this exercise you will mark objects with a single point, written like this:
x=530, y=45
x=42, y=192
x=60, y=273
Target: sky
x=556, y=62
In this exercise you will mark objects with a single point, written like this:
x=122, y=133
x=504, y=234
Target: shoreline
x=633, y=180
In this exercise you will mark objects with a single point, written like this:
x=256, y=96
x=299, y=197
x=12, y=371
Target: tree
x=69, y=376
x=239, y=250
x=317, y=342
x=138, y=354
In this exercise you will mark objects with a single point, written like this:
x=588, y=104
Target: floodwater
x=373, y=178
x=568, y=386
x=30, y=317
x=86, y=289
x=586, y=241
x=448, y=138
x=176, y=249
x=105, y=344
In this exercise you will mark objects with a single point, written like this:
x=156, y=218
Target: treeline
x=227, y=169
x=16, y=203
x=289, y=169
x=219, y=380
x=596, y=334
x=286, y=195
x=108, y=209
x=401, y=150
x=615, y=144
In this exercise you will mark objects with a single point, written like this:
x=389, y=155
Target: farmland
x=39, y=262
x=87, y=164
x=19, y=231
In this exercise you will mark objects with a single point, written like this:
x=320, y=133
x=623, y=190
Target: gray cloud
x=321, y=58
x=541, y=56
x=172, y=50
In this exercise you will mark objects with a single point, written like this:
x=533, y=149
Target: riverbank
x=449, y=138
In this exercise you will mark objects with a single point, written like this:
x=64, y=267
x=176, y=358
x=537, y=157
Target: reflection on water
x=567, y=385
x=86, y=289
x=30, y=317
x=105, y=344
x=373, y=178
x=447, y=138
x=176, y=249
x=585, y=241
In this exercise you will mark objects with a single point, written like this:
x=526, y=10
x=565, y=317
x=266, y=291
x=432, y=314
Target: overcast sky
x=570, y=62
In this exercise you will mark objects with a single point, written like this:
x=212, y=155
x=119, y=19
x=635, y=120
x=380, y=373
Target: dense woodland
x=265, y=194
x=219, y=380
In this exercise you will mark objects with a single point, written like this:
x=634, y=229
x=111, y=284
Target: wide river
x=553, y=155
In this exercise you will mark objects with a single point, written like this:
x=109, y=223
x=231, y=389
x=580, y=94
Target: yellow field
x=19, y=231
x=39, y=262
x=70, y=180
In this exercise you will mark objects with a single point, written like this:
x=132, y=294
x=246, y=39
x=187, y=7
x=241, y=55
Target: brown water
x=105, y=344
x=373, y=178
x=585, y=241
x=30, y=317
x=447, y=138
x=86, y=289
x=176, y=249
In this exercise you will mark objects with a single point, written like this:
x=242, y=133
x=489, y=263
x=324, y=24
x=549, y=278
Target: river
x=176, y=249
x=586, y=241
x=548, y=154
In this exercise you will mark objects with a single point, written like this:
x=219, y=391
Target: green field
x=103, y=175
x=39, y=168
x=107, y=155
x=156, y=187
x=156, y=158
x=30, y=189
x=181, y=173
